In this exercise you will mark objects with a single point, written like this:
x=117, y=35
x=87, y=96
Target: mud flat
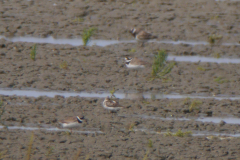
x=140, y=129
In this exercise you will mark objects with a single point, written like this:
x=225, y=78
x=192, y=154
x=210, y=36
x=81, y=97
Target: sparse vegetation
x=2, y=154
x=30, y=147
x=220, y=80
x=213, y=38
x=33, y=52
x=150, y=143
x=131, y=126
x=49, y=151
x=200, y=68
x=194, y=105
x=78, y=19
x=179, y=133
x=160, y=68
x=146, y=155
x=87, y=34
x=77, y=155
x=132, y=50
x=64, y=65
x=112, y=92
x=216, y=55
x=1, y=111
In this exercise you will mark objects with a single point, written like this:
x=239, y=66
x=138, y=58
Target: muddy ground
x=69, y=68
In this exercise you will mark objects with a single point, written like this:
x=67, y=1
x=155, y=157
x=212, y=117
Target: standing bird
x=111, y=105
x=141, y=35
x=135, y=63
x=71, y=122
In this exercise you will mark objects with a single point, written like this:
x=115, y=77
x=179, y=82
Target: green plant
x=112, y=92
x=160, y=68
x=146, y=155
x=216, y=55
x=131, y=126
x=87, y=34
x=64, y=65
x=213, y=38
x=132, y=50
x=78, y=19
x=194, y=105
x=30, y=147
x=220, y=80
x=150, y=143
x=1, y=111
x=200, y=68
x=179, y=133
x=49, y=151
x=33, y=52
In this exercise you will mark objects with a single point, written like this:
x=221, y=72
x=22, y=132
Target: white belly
x=111, y=108
x=71, y=125
x=135, y=66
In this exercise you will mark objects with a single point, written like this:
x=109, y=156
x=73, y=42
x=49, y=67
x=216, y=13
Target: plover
x=135, y=63
x=141, y=35
x=111, y=105
x=71, y=122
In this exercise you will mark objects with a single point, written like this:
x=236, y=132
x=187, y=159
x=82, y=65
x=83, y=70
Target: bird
x=141, y=35
x=135, y=63
x=71, y=122
x=111, y=105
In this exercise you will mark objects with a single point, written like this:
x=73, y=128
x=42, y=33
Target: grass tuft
x=112, y=92
x=30, y=147
x=179, y=133
x=132, y=50
x=221, y=80
x=33, y=52
x=87, y=34
x=64, y=65
x=146, y=155
x=49, y=151
x=160, y=68
x=213, y=38
x=194, y=105
x=150, y=143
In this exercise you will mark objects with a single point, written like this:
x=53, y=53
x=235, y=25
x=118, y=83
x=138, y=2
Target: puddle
x=228, y=120
x=102, y=94
x=49, y=129
x=202, y=59
x=102, y=43
x=198, y=133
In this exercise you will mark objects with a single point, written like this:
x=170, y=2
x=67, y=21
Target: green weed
x=216, y=55
x=213, y=38
x=160, y=68
x=78, y=19
x=131, y=126
x=150, y=143
x=33, y=52
x=221, y=80
x=194, y=105
x=30, y=147
x=179, y=133
x=64, y=65
x=200, y=68
x=132, y=50
x=87, y=34
x=49, y=151
x=146, y=155
x=112, y=92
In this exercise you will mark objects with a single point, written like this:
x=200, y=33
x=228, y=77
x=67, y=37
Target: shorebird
x=141, y=35
x=135, y=63
x=111, y=105
x=71, y=122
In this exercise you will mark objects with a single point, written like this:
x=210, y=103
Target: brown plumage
x=141, y=35
x=111, y=104
x=71, y=122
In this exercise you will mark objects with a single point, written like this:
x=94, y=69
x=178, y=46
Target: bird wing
x=112, y=104
x=145, y=35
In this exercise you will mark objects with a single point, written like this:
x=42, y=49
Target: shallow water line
x=48, y=129
x=102, y=94
x=102, y=43
x=228, y=120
